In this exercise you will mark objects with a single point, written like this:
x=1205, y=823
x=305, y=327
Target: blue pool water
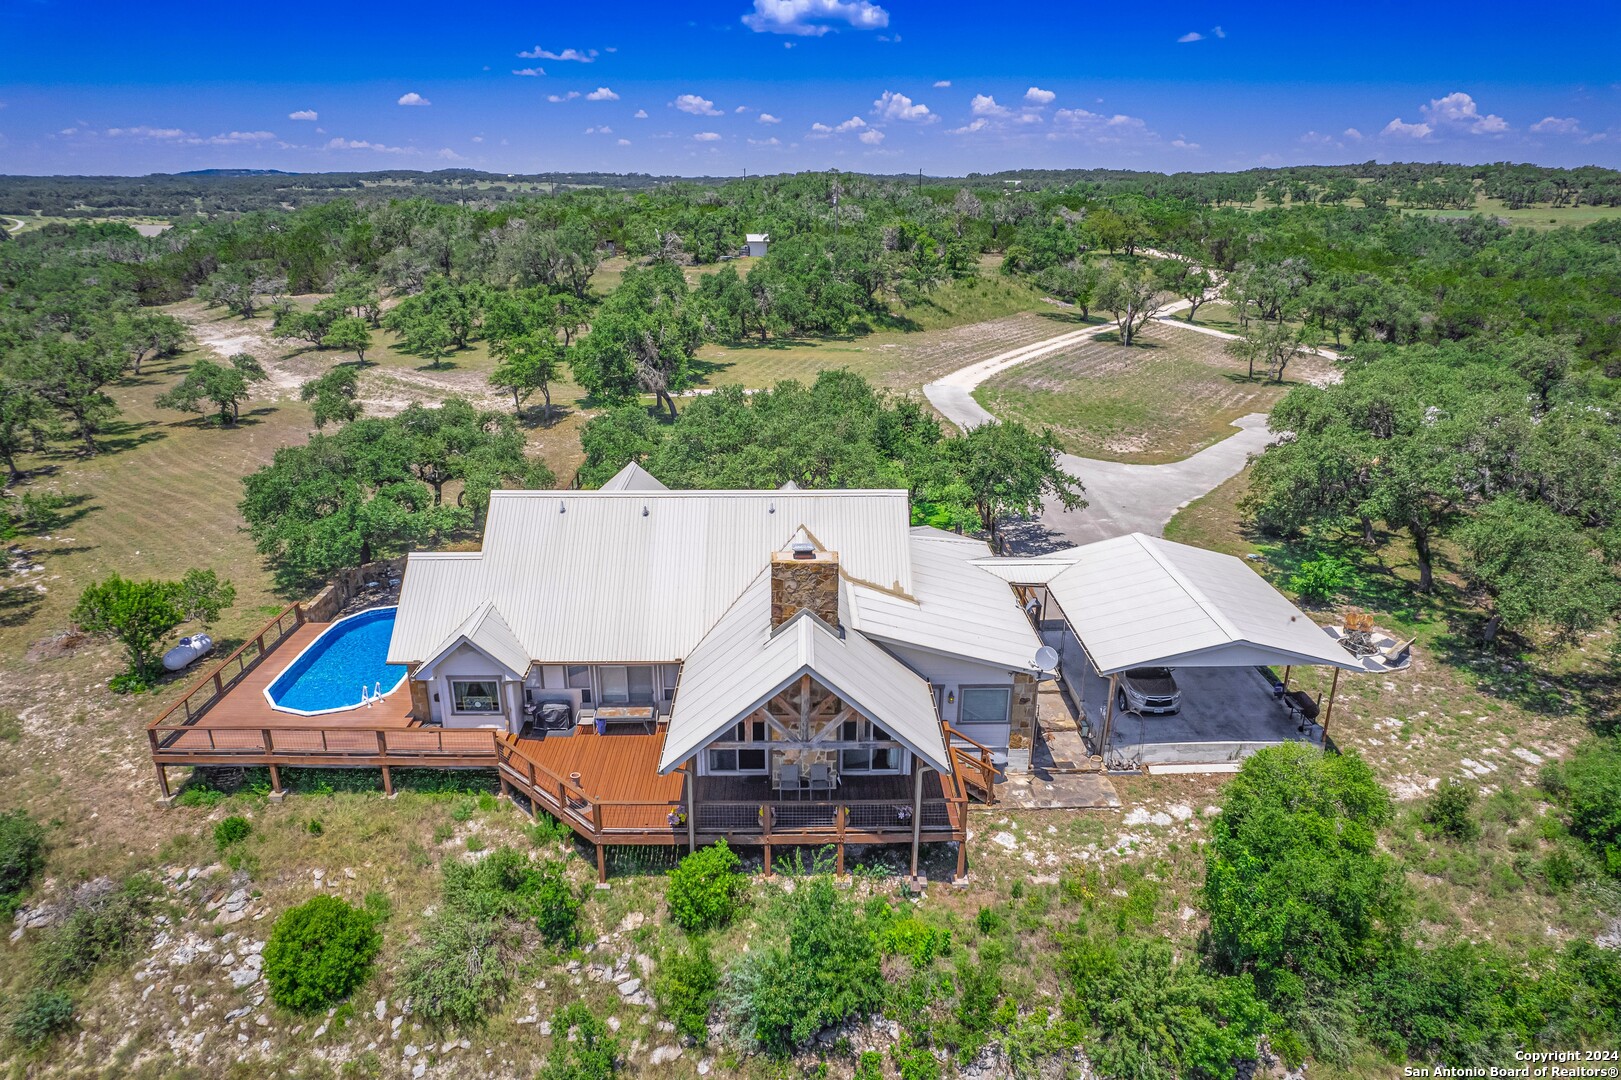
x=329, y=675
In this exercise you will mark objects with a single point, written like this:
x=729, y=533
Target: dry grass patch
x=1169, y=396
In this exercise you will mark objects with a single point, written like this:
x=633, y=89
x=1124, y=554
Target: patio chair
x=1396, y=652
x=821, y=779
x=788, y=779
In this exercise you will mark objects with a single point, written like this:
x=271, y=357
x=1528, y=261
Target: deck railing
x=228, y=672
x=323, y=744
x=975, y=769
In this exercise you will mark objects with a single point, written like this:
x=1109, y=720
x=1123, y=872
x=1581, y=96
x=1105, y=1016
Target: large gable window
x=475, y=695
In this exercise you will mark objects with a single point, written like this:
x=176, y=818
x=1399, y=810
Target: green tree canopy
x=642, y=339
x=221, y=385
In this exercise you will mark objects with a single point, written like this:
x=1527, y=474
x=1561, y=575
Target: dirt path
x=16, y=225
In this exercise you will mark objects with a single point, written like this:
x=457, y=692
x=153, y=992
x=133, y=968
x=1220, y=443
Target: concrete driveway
x=1122, y=498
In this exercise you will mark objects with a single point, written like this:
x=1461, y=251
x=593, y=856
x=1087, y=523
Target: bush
x=915, y=939
x=105, y=922
x=1451, y=811
x=828, y=970
x=22, y=855
x=685, y=986
x=556, y=905
x=591, y=1053
x=870, y=1066
x=459, y=972
x=41, y=1015
x=318, y=953
x=914, y=1060
x=232, y=830
x=1592, y=795
x=706, y=889
x=1322, y=577
x=1297, y=890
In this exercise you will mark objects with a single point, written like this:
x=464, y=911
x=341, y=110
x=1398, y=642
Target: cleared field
x=1169, y=396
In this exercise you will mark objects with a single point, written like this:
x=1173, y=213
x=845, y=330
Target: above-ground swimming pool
x=340, y=669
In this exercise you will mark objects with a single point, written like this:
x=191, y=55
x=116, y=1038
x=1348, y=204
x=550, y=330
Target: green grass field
x=1169, y=396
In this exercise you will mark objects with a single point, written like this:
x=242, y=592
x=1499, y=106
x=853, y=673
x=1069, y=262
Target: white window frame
x=962, y=704
x=497, y=698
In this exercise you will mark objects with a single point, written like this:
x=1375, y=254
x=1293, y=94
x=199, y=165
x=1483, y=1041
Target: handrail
x=296, y=609
x=952, y=732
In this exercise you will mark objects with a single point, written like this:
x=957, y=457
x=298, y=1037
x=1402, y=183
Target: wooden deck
x=606, y=787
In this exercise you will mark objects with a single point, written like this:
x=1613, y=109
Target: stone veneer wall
x=1022, y=712
x=798, y=584
x=325, y=605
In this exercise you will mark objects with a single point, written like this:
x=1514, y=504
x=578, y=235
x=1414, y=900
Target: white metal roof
x=634, y=576
x=633, y=478
x=1141, y=600
x=1029, y=569
x=956, y=607
x=486, y=631
x=756, y=237
x=741, y=664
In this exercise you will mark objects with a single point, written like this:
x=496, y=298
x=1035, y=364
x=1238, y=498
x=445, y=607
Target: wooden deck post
x=962, y=845
x=277, y=794
x=388, y=783
x=1286, y=669
x=1328, y=713
x=602, y=867
x=841, y=815
x=692, y=804
x=765, y=829
x=163, y=784
x=917, y=811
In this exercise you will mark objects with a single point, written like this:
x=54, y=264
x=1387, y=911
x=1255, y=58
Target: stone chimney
x=804, y=577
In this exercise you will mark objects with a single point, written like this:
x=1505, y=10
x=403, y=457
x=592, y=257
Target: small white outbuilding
x=755, y=244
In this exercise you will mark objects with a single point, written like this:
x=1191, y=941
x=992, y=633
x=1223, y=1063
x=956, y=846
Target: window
x=875, y=759
x=475, y=695
x=985, y=704
x=579, y=678
x=626, y=685
x=737, y=761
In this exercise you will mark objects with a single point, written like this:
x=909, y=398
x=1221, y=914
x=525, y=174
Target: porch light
x=951, y=697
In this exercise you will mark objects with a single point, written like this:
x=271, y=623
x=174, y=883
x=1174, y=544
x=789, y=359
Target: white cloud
x=1218, y=31
x=602, y=93
x=872, y=136
x=816, y=129
x=603, y=130
x=557, y=98
x=1353, y=134
x=1037, y=96
x=1183, y=144
x=1098, y=128
x=767, y=118
x=813, y=18
x=942, y=84
x=537, y=53
x=478, y=138
x=448, y=154
x=142, y=131
x=1458, y=110
x=985, y=105
x=706, y=136
x=232, y=138
x=1557, y=125
x=1317, y=138
x=1190, y=36
x=773, y=141
x=1401, y=129
x=623, y=142
x=893, y=106
x=855, y=123
x=303, y=114
x=640, y=114
x=697, y=106
x=531, y=72
x=968, y=129
x=413, y=98
x=363, y=144
x=740, y=110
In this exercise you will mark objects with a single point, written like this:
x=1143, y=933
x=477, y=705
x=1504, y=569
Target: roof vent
x=804, y=549
x=771, y=509
x=644, y=509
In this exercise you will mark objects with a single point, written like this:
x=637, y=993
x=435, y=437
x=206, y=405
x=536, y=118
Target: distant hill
x=237, y=172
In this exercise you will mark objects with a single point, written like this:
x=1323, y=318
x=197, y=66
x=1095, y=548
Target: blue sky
x=719, y=86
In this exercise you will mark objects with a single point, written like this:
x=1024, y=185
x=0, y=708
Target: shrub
x=200, y=796
x=105, y=922
x=1559, y=870
x=1322, y=577
x=1297, y=890
x=870, y=1066
x=706, y=889
x=685, y=986
x=232, y=830
x=556, y=905
x=318, y=953
x=1451, y=811
x=459, y=972
x=590, y=1054
x=914, y=939
x=827, y=972
x=1592, y=795
x=22, y=855
x=914, y=1060
x=40, y=1016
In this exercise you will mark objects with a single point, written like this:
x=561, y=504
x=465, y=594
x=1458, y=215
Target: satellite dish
x=1046, y=658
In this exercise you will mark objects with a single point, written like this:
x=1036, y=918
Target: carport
x=1143, y=601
